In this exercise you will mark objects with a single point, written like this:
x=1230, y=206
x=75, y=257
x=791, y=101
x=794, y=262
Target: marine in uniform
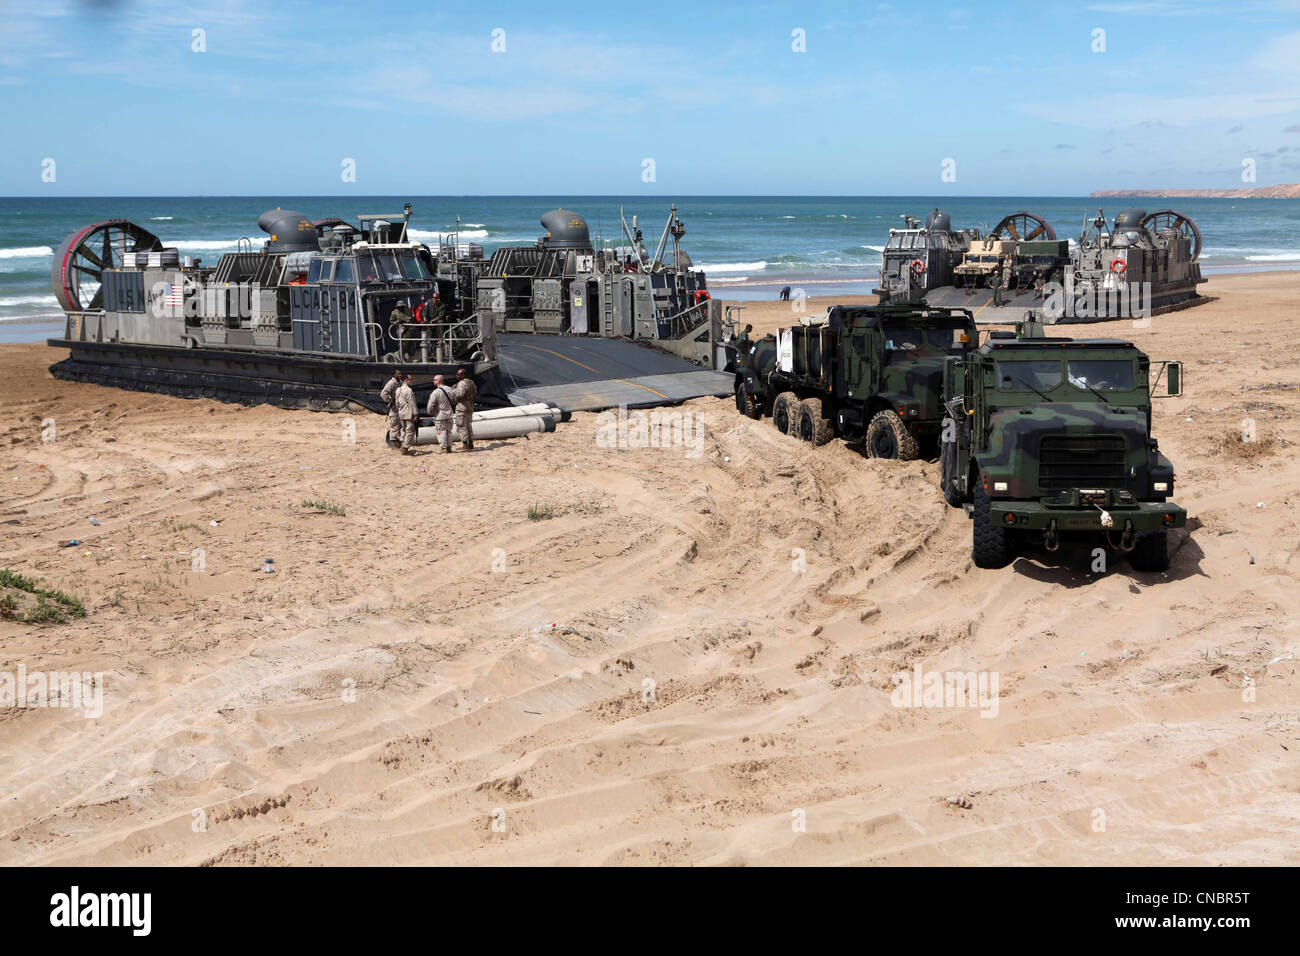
x=466, y=393
x=407, y=412
x=442, y=403
x=398, y=320
x=388, y=393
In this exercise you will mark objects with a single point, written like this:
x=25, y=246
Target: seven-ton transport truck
x=1051, y=437
x=870, y=374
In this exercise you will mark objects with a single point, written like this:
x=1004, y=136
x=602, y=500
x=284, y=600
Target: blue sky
x=1013, y=93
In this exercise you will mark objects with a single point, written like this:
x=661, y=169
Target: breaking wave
x=26, y=252
x=465, y=234
x=734, y=267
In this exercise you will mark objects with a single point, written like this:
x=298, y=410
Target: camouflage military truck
x=1041, y=259
x=1050, y=438
x=871, y=374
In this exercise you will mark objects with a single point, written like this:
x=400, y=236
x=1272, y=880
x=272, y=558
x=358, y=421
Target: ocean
x=750, y=246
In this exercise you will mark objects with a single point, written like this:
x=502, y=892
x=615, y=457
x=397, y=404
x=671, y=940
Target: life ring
x=1118, y=266
x=917, y=267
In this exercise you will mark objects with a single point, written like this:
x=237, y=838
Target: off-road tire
x=948, y=469
x=888, y=437
x=809, y=424
x=990, y=544
x=1151, y=553
x=785, y=413
x=746, y=404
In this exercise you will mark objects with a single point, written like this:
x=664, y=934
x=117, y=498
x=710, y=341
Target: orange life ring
x=1118, y=266
x=917, y=267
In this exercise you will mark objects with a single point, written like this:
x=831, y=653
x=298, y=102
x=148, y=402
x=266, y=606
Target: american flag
x=175, y=294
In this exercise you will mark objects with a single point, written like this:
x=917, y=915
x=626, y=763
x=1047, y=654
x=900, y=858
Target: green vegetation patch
x=21, y=599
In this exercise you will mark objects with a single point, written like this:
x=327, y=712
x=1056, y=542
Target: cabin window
x=1109, y=375
x=386, y=265
x=345, y=272
x=313, y=271
x=326, y=269
x=412, y=268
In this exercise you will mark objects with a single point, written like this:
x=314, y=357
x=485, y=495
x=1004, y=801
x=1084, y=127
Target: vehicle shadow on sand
x=1072, y=565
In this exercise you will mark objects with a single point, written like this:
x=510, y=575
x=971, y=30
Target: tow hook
x=1126, y=540
x=1051, y=540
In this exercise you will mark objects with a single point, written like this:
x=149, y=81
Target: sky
x=136, y=97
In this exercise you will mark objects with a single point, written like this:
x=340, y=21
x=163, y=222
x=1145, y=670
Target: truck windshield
x=897, y=338
x=1114, y=375
x=1027, y=375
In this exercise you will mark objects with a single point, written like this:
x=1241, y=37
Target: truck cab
x=1051, y=437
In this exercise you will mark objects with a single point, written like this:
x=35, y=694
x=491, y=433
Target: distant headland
x=1259, y=192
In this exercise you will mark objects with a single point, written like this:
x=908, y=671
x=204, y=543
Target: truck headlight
x=999, y=486
x=1161, y=486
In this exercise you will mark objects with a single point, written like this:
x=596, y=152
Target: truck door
x=857, y=365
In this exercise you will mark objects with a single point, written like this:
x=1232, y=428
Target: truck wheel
x=888, y=437
x=784, y=411
x=990, y=547
x=746, y=403
x=948, y=470
x=810, y=426
x=1151, y=553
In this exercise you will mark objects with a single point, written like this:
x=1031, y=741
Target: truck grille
x=1081, y=461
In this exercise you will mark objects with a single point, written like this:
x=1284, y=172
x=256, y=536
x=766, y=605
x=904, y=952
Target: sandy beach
x=688, y=662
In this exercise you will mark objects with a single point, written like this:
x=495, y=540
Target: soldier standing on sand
x=442, y=403
x=388, y=393
x=407, y=412
x=466, y=393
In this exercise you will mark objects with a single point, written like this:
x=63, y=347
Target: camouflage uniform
x=408, y=413
x=399, y=318
x=441, y=404
x=388, y=392
x=435, y=312
x=995, y=283
x=466, y=393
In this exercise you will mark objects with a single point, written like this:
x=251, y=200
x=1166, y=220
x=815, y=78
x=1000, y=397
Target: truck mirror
x=1175, y=380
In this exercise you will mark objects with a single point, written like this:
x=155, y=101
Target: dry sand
x=226, y=690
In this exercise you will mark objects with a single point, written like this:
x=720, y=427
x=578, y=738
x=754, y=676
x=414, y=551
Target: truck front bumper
x=1072, y=512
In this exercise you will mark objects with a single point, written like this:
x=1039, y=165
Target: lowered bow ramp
x=589, y=374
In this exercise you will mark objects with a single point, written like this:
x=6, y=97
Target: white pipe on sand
x=494, y=428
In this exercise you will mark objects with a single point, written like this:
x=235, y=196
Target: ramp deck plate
x=589, y=374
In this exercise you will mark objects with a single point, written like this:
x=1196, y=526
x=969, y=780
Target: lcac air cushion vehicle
x=871, y=374
x=302, y=321
x=1145, y=264
x=1048, y=438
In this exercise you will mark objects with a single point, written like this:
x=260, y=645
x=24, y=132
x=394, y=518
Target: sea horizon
x=749, y=246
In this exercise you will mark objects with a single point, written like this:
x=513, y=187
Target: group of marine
x=452, y=410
